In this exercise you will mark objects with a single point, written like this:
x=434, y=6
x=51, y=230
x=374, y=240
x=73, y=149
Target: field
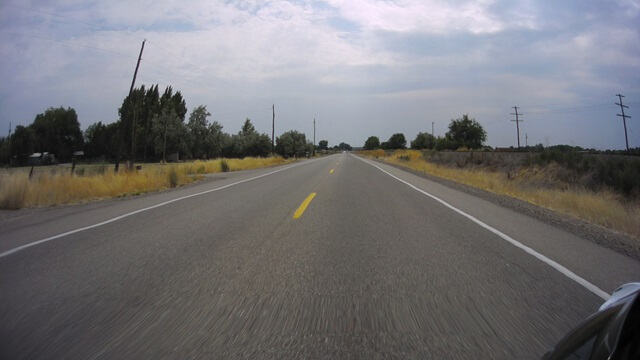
x=55, y=185
x=549, y=184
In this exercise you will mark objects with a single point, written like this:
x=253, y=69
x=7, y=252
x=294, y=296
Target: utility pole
x=432, y=128
x=526, y=140
x=624, y=119
x=9, y=142
x=314, y=137
x=518, y=121
x=135, y=74
x=273, y=130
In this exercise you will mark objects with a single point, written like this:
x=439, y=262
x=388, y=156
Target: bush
x=224, y=166
x=619, y=174
x=173, y=177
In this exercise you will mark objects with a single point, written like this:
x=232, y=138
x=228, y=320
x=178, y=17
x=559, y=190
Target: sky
x=358, y=67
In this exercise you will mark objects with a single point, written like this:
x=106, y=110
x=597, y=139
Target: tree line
x=151, y=126
x=463, y=132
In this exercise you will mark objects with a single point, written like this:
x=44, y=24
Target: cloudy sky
x=359, y=67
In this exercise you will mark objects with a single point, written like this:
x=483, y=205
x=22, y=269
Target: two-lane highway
x=338, y=257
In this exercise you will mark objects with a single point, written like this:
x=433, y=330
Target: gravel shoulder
x=614, y=240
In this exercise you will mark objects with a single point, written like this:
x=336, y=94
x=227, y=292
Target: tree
x=397, y=141
x=444, y=143
x=372, y=143
x=291, y=143
x=247, y=128
x=101, y=140
x=216, y=140
x=198, y=132
x=345, y=147
x=169, y=134
x=5, y=150
x=248, y=142
x=258, y=145
x=22, y=143
x=466, y=132
x=57, y=131
x=323, y=145
x=423, y=141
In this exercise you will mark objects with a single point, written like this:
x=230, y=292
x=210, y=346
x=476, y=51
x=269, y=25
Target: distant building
x=44, y=158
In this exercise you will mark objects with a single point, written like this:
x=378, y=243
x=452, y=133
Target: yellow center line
x=303, y=206
x=331, y=172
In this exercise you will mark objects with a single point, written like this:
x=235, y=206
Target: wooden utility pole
x=314, y=137
x=624, y=118
x=135, y=74
x=518, y=121
x=432, y=128
x=9, y=142
x=273, y=130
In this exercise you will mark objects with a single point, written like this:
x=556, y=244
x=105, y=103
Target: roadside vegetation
x=57, y=186
x=52, y=161
x=602, y=188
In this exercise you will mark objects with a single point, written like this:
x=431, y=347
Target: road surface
x=377, y=263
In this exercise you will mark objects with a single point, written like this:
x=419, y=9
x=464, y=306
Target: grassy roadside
x=603, y=207
x=94, y=182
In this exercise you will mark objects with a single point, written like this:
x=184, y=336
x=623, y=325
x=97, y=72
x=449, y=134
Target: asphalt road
x=373, y=268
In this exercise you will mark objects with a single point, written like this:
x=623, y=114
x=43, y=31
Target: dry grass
x=60, y=187
x=603, y=208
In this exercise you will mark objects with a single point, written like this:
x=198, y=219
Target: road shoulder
x=616, y=241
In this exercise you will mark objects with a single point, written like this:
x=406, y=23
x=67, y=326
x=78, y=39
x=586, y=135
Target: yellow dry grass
x=603, y=208
x=47, y=188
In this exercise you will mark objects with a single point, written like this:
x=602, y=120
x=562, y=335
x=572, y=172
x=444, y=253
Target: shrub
x=173, y=177
x=224, y=165
x=378, y=153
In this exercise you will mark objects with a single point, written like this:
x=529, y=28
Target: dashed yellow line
x=303, y=206
x=331, y=172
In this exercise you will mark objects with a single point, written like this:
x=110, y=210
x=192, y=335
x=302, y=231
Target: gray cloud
x=360, y=67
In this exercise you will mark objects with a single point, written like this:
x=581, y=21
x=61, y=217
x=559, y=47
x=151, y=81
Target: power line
x=570, y=109
x=68, y=43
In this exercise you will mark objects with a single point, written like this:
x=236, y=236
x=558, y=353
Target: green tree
x=372, y=143
x=131, y=112
x=397, y=141
x=216, y=140
x=5, y=150
x=23, y=142
x=466, y=132
x=258, y=145
x=198, y=132
x=57, y=131
x=291, y=143
x=101, y=140
x=345, y=147
x=444, y=143
x=423, y=141
x=323, y=145
x=247, y=128
x=152, y=108
x=169, y=134
x=249, y=142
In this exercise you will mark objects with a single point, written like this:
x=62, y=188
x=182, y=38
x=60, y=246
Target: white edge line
x=26, y=246
x=566, y=272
